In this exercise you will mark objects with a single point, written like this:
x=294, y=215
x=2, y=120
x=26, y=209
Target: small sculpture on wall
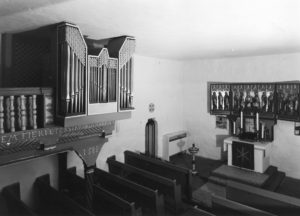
x=248, y=100
x=220, y=100
x=226, y=101
x=256, y=101
x=286, y=101
x=236, y=103
x=290, y=105
x=241, y=100
x=280, y=102
x=296, y=103
x=271, y=102
x=264, y=100
x=214, y=101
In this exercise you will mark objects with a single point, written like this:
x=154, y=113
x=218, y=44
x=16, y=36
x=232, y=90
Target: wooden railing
x=25, y=108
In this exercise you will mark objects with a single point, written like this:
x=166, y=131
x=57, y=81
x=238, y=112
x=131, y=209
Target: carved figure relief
x=220, y=100
x=214, y=101
x=256, y=101
x=271, y=102
x=264, y=101
x=226, y=101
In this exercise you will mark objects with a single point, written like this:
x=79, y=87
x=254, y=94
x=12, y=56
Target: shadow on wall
x=219, y=144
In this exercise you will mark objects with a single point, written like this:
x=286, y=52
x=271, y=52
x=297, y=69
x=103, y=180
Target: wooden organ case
x=58, y=94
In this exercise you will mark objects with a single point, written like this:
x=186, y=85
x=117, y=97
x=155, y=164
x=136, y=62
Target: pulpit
x=249, y=155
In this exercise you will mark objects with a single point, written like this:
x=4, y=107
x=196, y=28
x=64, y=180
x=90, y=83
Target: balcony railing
x=25, y=108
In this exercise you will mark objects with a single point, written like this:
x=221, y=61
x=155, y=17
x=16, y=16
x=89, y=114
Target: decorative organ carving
x=25, y=108
x=23, y=112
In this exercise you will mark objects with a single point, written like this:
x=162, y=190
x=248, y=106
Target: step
x=217, y=180
x=240, y=175
x=202, y=196
x=271, y=170
x=274, y=181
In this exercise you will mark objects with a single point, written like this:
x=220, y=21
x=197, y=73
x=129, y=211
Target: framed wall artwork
x=221, y=122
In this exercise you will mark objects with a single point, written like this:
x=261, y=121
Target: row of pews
x=124, y=190
x=142, y=186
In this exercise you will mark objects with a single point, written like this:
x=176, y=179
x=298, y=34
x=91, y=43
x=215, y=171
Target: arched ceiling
x=174, y=29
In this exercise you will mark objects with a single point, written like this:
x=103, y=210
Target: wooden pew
x=170, y=189
x=3, y=206
x=223, y=206
x=151, y=201
x=196, y=212
x=12, y=197
x=105, y=202
x=183, y=176
x=259, y=198
x=53, y=202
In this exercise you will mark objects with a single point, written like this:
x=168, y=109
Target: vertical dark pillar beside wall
x=62, y=168
x=89, y=182
x=151, y=138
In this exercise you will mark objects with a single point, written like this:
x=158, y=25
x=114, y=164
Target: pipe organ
x=60, y=94
x=87, y=79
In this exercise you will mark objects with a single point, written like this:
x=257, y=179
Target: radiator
x=174, y=143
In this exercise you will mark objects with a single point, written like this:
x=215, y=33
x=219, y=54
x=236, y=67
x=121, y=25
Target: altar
x=251, y=155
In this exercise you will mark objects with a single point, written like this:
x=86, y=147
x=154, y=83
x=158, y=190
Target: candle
x=262, y=130
x=234, y=128
x=257, y=121
x=241, y=119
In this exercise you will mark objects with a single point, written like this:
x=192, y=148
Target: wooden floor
x=288, y=186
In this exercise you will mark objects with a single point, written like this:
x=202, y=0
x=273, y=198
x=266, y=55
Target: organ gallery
x=113, y=108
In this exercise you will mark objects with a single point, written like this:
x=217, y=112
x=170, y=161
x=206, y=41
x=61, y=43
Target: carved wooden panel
x=288, y=101
x=220, y=99
x=254, y=97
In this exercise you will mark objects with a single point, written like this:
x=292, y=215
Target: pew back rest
x=183, y=176
x=223, y=206
x=75, y=184
x=142, y=196
x=3, y=206
x=15, y=205
x=259, y=198
x=115, y=203
x=195, y=211
x=157, y=182
x=55, y=202
x=101, y=196
x=169, y=188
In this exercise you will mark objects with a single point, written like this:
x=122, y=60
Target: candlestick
x=241, y=119
x=234, y=128
x=257, y=121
